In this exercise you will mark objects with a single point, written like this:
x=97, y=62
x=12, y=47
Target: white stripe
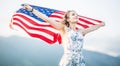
x=81, y=22
x=36, y=31
x=58, y=19
x=37, y=21
x=31, y=25
x=80, y=27
x=95, y=22
x=61, y=15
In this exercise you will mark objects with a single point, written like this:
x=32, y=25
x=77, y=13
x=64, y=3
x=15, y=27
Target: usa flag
x=38, y=28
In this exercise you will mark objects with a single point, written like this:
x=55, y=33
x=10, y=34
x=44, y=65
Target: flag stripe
x=91, y=19
x=60, y=13
x=56, y=16
x=88, y=22
x=23, y=20
x=40, y=36
x=34, y=31
x=31, y=21
x=34, y=28
x=44, y=28
x=34, y=23
x=84, y=26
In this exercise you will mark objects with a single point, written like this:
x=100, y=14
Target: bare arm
x=92, y=28
x=55, y=24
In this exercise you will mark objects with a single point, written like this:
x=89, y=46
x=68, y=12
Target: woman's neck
x=73, y=26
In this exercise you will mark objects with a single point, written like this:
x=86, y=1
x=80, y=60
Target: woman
x=72, y=38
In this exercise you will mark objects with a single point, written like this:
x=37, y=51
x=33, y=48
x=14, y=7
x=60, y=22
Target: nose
x=76, y=16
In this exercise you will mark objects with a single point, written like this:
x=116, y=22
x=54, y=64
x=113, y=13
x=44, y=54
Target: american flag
x=38, y=28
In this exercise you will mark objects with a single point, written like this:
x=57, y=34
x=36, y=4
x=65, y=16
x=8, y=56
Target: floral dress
x=72, y=44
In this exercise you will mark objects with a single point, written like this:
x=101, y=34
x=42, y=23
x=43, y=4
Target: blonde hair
x=66, y=16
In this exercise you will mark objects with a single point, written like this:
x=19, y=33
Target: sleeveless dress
x=73, y=45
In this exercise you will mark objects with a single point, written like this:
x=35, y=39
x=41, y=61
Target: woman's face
x=72, y=17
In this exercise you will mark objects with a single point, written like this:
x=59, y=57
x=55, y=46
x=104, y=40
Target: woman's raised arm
x=92, y=28
x=55, y=24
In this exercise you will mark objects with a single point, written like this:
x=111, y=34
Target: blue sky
x=105, y=40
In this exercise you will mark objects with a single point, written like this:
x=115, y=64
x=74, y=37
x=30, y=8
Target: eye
x=73, y=14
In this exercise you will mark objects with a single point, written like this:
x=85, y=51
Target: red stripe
x=61, y=12
x=56, y=16
x=33, y=28
x=88, y=22
x=36, y=35
x=31, y=21
x=91, y=19
x=84, y=26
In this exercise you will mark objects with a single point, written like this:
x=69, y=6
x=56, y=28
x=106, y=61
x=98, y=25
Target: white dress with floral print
x=72, y=45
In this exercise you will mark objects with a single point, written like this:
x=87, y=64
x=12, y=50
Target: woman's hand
x=28, y=7
x=102, y=24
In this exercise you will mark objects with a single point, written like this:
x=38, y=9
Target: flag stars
x=46, y=11
x=25, y=12
x=31, y=14
x=42, y=11
x=52, y=11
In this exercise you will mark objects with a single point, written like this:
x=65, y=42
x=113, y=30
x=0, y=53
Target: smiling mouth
x=76, y=17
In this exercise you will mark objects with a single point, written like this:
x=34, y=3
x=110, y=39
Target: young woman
x=72, y=38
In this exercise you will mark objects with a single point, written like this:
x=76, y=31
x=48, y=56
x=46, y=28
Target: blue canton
x=46, y=11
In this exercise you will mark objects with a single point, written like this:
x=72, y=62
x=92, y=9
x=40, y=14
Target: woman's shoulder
x=80, y=30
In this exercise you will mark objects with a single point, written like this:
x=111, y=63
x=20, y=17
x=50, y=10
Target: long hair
x=66, y=22
x=67, y=17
